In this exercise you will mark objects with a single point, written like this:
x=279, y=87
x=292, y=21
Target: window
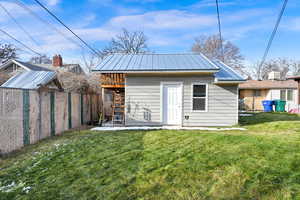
x=199, y=97
x=283, y=95
x=289, y=95
x=257, y=93
x=286, y=95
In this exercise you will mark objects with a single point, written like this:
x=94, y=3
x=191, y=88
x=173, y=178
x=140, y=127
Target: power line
x=18, y=41
x=6, y=41
x=19, y=25
x=273, y=33
x=55, y=17
x=18, y=2
x=220, y=32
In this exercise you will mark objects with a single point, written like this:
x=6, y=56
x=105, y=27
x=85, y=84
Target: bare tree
x=43, y=59
x=211, y=47
x=295, y=67
x=282, y=65
x=7, y=52
x=79, y=83
x=91, y=60
x=127, y=42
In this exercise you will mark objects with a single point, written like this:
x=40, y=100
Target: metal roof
x=30, y=79
x=25, y=65
x=155, y=62
x=33, y=67
x=226, y=73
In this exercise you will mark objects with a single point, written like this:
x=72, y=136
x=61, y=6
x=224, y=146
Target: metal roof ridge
x=187, y=53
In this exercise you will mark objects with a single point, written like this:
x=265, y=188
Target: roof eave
x=267, y=88
x=229, y=81
x=156, y=71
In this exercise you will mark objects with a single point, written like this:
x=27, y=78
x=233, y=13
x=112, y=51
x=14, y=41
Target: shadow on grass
x=260, y=118
x=98, y=165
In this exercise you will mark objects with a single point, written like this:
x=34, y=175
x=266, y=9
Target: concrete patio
x=164, y=128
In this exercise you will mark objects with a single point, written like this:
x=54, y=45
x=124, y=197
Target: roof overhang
x=158, y=71
x=296, y=78
x=217, y=81
x=5, y=65
x=266, y=88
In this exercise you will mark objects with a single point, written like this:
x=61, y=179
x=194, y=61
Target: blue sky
x=170, y=26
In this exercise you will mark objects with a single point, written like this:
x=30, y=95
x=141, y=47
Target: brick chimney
x=57, y=61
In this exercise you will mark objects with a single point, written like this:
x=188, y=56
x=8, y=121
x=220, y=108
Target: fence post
x=91, y=108
x=70, y=109
x=81, y=108
x=26, y=117
x=52, y=112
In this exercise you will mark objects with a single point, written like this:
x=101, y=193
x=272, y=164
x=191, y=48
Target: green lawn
x=260, y=163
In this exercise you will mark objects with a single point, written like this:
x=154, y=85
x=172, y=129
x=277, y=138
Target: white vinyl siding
x=143, y=95
x=291, y=95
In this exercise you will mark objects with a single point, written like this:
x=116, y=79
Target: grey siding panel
x=143, y=99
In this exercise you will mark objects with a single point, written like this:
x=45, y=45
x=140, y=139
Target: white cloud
x=169, y=19
x=143, y=1
x=14, y=9
x=53, y=2
x=211, y=3
x=292, y=24
x=164, y=28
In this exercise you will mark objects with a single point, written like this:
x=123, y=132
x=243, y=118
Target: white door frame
x=162, y=99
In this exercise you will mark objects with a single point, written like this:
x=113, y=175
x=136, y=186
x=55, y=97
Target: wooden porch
x=113, y=93
x=112, y=80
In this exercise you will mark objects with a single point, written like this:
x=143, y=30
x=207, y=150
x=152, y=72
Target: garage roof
x=150, y=62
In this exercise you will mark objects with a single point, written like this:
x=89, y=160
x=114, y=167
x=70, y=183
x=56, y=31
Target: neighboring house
x=14, y=66
x=171, y=89
x=253, y=92
x=57, y=64
x=34, y=80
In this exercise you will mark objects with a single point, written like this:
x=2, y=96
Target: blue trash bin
x=268, y=105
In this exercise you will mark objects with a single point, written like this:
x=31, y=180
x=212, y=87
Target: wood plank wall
x=112, y=80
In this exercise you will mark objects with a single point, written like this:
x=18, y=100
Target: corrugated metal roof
x=30, y=79
x=33, y=67
x=155, y=62
x=226, y=73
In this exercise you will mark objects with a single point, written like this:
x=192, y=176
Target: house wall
x=143, y=94
x=12, y=68
x=275, y=94
x=252, y=103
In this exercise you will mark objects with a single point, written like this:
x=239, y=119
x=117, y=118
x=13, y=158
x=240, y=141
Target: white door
x=172, y=104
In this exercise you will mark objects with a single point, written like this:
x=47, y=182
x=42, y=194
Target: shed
x=170, y=89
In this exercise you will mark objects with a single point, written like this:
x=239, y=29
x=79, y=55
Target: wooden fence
x=27, y=116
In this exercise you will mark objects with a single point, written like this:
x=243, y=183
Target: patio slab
x=164, y=128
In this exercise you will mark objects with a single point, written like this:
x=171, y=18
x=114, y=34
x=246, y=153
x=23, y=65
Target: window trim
x=255, y=93
x=287, y=95
x=206, y=97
